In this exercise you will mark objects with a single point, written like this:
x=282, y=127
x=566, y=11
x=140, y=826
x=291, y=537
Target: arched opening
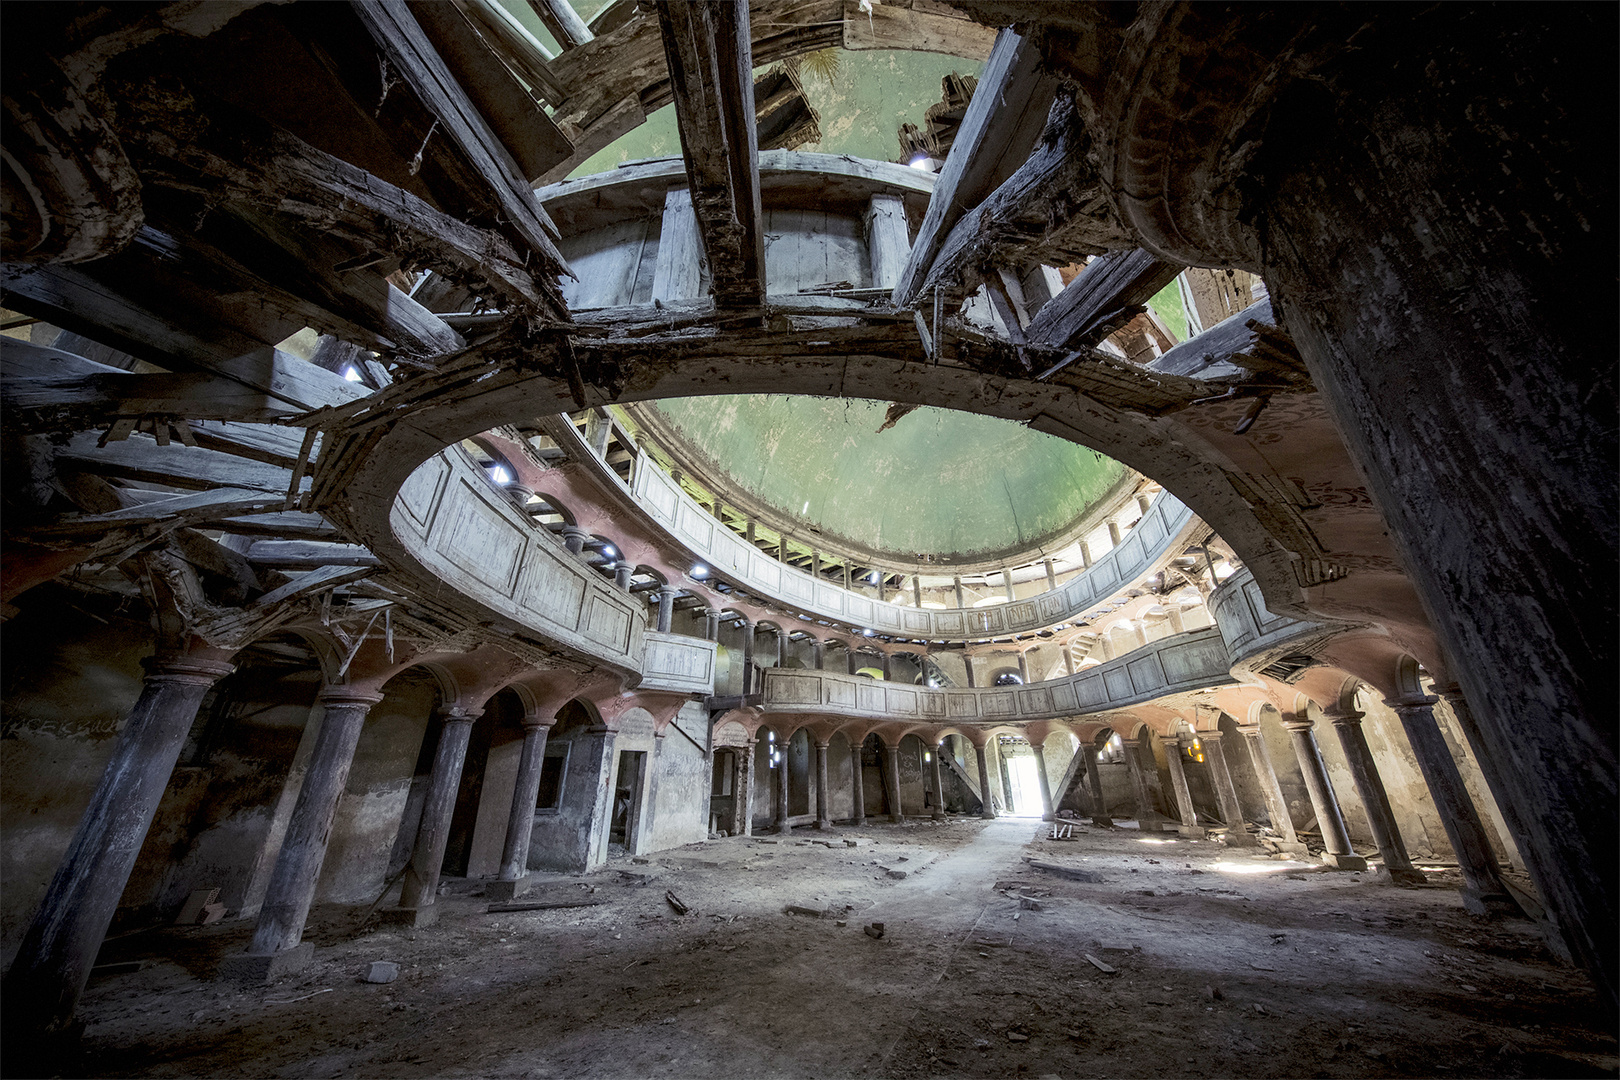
x=484, y=797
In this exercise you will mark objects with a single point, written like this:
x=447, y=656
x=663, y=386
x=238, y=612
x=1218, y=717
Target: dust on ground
x=1220, y=963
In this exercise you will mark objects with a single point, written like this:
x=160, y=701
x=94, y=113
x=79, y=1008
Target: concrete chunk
x=382, y=971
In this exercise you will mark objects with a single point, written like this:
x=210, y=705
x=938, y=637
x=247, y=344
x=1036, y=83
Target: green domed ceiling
x=965, y=489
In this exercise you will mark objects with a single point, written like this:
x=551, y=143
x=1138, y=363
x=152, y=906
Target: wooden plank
x=917, y=28
x=401, y=39
x=288, y=524
x=308, y=554
x=710, y=58
x=1003, y=121
x=256, y=442
x=1249, y=341
x=138, y=458
x=327, y=577
x=1107, y=293
x=535, y=142
x=564, y=23
x=678, y=271
x=182, y=509
x=87, y=401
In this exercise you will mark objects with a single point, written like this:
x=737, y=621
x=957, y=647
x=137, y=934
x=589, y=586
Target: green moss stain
x=861, y=109
x=938, y=482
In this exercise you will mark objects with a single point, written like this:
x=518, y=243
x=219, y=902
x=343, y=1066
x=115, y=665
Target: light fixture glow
x=866, y=633
x=351, y=374
x=872, y=577
x=921, y=161
x=699, y=571
x=927, y=756
x=608, y=550
x=499, y=474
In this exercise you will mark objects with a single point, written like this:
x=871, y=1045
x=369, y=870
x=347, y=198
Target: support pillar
x=783, y=825
x=1147, y=817
x=1178, y=780
x=666, y=608
x=891, y=761
x=823, y=815
x=53, y=964
x=988, y=807
x=939, y=785
x=1048, y=811
x=743, y=803
x=1328, y=817
x=1483, y=892
x=514, y=877
x=1370, y=787
x=857, y=775
x=427, y=855
x=1215, y=755
x=574, y=539
x=1276, y=806
x=748, y=659
x=818, y=657
x=1099, y=805
x=711, y=624
x=622, y=572
x=278, y=947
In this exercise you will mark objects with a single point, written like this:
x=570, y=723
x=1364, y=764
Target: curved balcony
x=1179, y=664
x=1255, y=638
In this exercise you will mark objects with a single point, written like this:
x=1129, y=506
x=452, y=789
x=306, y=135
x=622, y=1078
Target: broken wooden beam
x=1051, y=210
x=1001, y=126
x=564, y=23
x=1104, y=296
x=540, y=905
x=710, y=57
x=308, y=554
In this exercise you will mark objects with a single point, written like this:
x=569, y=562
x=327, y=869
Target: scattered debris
x=289, y=1001
x=1106, y=969
x=1073, y=873
x=540, y=905
x=1017, y=1036
x=804, y=909
x=1261, y=967
x=874, y=930
x=675, y=902
x=1029, y=903
x=381, y=971
x=201, y=908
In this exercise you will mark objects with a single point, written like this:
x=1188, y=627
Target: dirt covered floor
x=1208, y=963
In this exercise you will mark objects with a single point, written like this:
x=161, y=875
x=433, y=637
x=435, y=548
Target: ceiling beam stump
x=710, y=60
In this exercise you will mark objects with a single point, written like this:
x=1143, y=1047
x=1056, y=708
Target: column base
x=1489, y=905
x=252, y=968
x=823, y=824
x=1409, y=875
x=1294, y=849
x=501, y=889
x=1343, y=862
x=416, y=918
x=1190, y=832
x=1103, y=821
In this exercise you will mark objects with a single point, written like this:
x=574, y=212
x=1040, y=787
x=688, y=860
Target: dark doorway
x=627, y=799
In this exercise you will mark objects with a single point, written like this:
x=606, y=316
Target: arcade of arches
x=1125, y=586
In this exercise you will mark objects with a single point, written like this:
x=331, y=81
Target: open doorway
x=1026, y=784
x=627, y=800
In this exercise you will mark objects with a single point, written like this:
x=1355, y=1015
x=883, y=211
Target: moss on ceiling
x=961, y=487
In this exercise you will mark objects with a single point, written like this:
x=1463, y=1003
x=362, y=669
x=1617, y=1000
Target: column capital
x=1249, y=731
x=1038, y=747
x=1212, y=735
x=458, y=714
x=1411, y=702
x=1346, y=718
x=820, y=745
x=175, y=667
x=537, y=722
x=348, y=695
x=1298, y=722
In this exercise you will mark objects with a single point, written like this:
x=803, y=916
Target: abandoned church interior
x=808, y=538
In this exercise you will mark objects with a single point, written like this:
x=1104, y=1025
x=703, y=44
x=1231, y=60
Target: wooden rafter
x=711, y=71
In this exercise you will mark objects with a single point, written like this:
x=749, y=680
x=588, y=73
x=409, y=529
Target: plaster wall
x=680, y=801
x=568, y=838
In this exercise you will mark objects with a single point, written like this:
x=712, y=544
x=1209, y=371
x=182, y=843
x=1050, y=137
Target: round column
x=520, y=822
x=1483, y=890
x=574, y=539
x=427, y=855
x=823, y=815
x=1326, y=804
x=1099, y=814
x=748, y=663
x=298, y=866
x=1215, y=754
x=939, y=784
x=666, y=608
x=1048, y=811
x=743, y=812
x=1147, y=818
x=891, y=759
x=987, y=809
x=783, y=825
x=1370, y=786
x=711, y=624
x=858, y=776
x=1276, y=806
x=53, y=963
x=621, y=575
x=1178, y=781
